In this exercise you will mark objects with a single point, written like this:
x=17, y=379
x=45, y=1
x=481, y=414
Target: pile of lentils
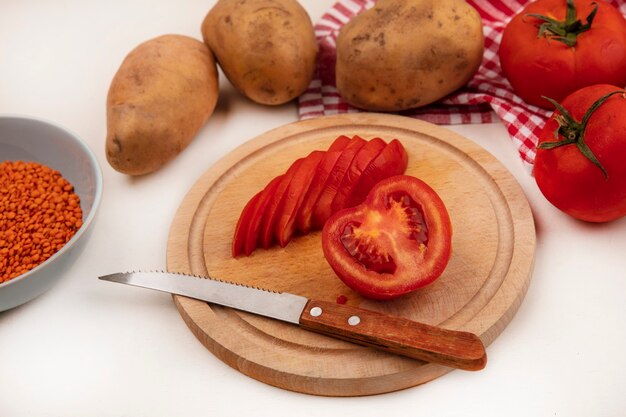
x=39, y=214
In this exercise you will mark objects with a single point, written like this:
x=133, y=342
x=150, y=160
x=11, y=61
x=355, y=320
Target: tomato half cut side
x=393, y=160
x=270, y=216
x=305, y=213
x=362, y=159
x=396, y=241
x=322, y=208
x=241, y=230
x=294, y=196
x=256, y=216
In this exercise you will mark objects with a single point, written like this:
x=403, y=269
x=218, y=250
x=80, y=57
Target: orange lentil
x=39, y=214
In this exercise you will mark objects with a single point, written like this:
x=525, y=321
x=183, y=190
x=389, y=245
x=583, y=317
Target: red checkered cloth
x=487, y=95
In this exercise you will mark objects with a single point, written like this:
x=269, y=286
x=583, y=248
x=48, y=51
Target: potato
x=403, y=54
x=266, y=48
x=160, y=97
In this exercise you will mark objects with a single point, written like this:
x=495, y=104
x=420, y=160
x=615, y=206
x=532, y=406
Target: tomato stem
x=573, y=131
x=568, y=30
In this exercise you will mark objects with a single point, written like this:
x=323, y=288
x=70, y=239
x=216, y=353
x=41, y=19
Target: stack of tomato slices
x=315, y=187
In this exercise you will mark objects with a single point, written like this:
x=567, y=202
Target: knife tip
x=117, y=277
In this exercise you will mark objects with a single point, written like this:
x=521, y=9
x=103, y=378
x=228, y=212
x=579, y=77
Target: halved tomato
x=270, y=215
x=363, y=158
x=397, y=240
x=256, y=216
x=322, y=207
x=393, y=160
x=294, y=196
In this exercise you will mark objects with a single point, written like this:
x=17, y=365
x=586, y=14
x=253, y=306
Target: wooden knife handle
x=462, y=350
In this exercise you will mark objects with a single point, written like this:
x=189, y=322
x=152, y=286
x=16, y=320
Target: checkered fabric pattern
x=487, y=97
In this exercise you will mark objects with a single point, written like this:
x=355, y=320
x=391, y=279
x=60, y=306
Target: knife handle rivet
x=316, y=312
x=354, y=320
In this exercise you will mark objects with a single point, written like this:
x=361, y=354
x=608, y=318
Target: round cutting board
x=481, y=289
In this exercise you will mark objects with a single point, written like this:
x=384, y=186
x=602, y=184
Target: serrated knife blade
x=457, y=349
x=280, y=306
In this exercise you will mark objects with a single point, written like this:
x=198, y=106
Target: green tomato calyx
x=568, y=30
x=573, y=131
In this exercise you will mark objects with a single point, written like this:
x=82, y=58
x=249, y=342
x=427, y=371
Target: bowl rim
x=96, y=201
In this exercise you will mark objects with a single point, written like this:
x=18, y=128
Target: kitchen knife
x=457, y=349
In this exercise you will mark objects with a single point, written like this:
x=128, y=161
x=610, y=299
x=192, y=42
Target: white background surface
x=92, y=348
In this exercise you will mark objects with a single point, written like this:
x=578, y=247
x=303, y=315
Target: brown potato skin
x=266, y=48
x=160, y=97
x=403, y=54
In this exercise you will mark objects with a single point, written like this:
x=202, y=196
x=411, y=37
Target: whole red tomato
x=555, y=47
x=397, y=240
x=580, y=165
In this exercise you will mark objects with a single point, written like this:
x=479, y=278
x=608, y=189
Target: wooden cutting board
x=480, y=290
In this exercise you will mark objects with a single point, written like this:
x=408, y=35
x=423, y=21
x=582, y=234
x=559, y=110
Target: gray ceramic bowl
x=28, y=139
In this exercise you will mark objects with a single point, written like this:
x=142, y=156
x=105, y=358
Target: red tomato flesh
x=393, y=160
x=339, y=144
x=303, y=217
x=361, y=161
x=322, y=207
x=270, y=216
x=397, y=240
x=305, y=213
x=256, y=216
x=294, y=196
x=243, y=225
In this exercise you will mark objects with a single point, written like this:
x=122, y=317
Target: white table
x=96, y=349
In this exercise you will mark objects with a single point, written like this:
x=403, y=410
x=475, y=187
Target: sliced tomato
x=362, y=159
x=305, y=213
x=313, y=188
x=396, y=241
x=270, y=215
x=256, y=215
x=294, y=196
x=393, y=160
x=241, y=230
x=322, y=208
x=247, y=232
x=339, y=144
